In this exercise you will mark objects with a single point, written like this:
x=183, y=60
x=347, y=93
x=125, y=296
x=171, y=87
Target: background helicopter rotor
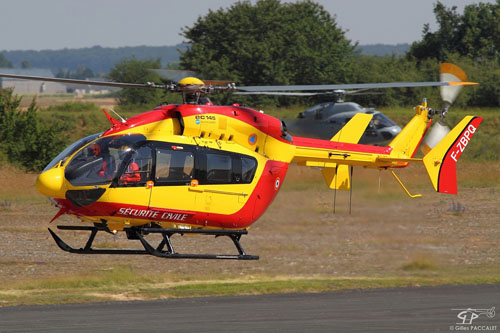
x=338, y=94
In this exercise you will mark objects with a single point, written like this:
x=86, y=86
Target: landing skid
x=159, y=251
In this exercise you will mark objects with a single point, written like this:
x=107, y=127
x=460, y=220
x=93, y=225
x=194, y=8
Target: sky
x=58, y=24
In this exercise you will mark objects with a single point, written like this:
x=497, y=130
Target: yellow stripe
x=462, y=83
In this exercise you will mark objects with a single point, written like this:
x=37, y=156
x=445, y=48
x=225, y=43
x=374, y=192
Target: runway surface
x=393, y=309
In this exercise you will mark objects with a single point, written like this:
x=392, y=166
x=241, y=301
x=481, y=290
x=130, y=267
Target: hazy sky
x=57, y=24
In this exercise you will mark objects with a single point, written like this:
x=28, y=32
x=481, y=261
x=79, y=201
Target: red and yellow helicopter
x=214, y=170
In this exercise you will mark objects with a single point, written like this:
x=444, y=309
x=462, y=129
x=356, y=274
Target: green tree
x=82, y=72
x=132, y=70
x=25, y=64
x=470, y=40
x=393, y=69
x=4, y=62
x=269, y=43
x=24, y=140
x=474, y=34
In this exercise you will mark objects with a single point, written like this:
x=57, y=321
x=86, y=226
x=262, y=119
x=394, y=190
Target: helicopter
x=201, y=169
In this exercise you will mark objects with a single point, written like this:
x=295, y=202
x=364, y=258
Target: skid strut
x=163, y=250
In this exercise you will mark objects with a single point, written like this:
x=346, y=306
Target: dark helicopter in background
x=324, y=120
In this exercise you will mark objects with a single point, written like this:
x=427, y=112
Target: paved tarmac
x=392, y=309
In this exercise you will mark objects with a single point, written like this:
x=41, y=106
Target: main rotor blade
x=280, y=93
x=350, y=86
x=327, y=93
x=87, y=82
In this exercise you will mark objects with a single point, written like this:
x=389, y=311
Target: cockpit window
x=70, y=150
x=138, y=170
x=98, y=163
x=381, y=121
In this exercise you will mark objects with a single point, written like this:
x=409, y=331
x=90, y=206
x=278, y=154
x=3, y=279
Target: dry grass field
x=430, y=240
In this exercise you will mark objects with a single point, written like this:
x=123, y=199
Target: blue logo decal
x=252, y=139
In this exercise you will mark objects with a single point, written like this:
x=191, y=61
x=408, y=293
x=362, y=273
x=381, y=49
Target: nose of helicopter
x=50, y=183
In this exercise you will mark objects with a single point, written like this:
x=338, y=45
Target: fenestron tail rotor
x=456, y=76
x=451, y=73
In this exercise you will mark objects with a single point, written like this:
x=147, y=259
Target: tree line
x=97, y=59
x=274, y=43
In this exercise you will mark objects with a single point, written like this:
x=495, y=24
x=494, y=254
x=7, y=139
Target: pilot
x=106, y=167
x=131, y=174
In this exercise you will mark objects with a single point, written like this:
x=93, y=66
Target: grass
x=5, y=205
x=420, y=263
x=108, y=245
x=74, y=106
x=122, y=283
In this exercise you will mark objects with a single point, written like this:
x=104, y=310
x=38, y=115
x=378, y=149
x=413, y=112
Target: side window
x=226, y=168
x=248, y=168
x=173, y=167
x=219, y=168
x=138, y=169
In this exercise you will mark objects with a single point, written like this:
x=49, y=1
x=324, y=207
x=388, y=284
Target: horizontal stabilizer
x=354, y=129
x=338, y=177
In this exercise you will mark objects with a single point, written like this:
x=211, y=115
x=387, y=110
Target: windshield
x=381, y=121
x=98, y=163
x=70, y=151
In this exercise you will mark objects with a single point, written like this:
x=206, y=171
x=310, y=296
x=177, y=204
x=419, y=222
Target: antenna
x=335, y=190
x=350, y=190
x=121, y=118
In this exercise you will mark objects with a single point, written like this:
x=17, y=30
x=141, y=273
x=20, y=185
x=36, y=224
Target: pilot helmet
x=95, y=149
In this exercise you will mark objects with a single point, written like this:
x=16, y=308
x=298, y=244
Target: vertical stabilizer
x=441, y=161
